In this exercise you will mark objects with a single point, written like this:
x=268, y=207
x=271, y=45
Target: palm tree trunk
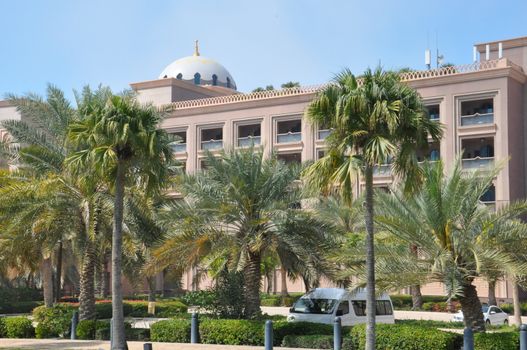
x=370, y=262
x=283, y=285
x=105, y=275
x=118, y=336
x=492, y=292
x=58, y=280
x=252, y=278
x=516, y=303
x=47, y=281
x=415, y=290
x=471, y=307
x=87, y=284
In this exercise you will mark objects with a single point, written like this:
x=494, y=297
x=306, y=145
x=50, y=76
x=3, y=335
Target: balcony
x=178, y=147
x=477, y=119
x=289, y=137
x=211, y=144
x=478, y=163
x=477, y=112
x=249, y=141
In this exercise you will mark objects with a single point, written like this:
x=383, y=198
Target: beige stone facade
x=482, y=106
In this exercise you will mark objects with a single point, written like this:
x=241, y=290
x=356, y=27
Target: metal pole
x=74, y=323
x=337, y=334
x=194, y=329
x=468, y=339
x=523, y=337
x=147, y=346
x=268, y=342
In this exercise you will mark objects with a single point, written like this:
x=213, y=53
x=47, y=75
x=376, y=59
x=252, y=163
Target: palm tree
x=375, y=120
x=241, y=209
x=122, y=141
x=455, y=235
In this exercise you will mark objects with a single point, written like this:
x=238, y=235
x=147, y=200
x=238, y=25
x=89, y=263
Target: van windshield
x=314, y=306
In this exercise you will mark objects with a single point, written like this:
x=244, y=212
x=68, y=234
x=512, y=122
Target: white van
x=322, y=305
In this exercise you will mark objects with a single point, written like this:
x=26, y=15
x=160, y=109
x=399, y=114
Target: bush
x=284, y=328
x=173, y=331
x=202, y=298
x=19, y=307
x=431, y=323
x=53, y=321
x=314, y=342
x=137, y=334
x=231, y=332
x=87, y=329
x=2, y=327
x=497, y=341
x=11, y=295
x=140, y=309
x=18, y=327
x=403, y=337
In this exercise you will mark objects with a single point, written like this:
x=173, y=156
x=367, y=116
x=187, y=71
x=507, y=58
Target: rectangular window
x=290, y=158
x=477, y=112
x=180, y=143
x=344, y=308
x=359, y=307
x=212, y=138
x=433, y=112
x=249, y=135
x=289, y=131
x=382, y=307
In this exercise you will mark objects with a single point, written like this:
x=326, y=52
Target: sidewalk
x=63, y=344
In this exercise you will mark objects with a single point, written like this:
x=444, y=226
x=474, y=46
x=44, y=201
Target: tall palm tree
x=455, y=235
x=374, y=120
x=122, y=141
x=239, y=210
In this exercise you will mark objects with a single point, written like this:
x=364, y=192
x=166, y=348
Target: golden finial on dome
x=196, y=48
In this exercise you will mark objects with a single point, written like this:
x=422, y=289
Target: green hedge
x=18, y=327
x=401, y=337
x=314, y=342
x=53, y=321
x=10, y=295
x=19, y=307
x=231, y=332
x=87, y=329
x=140, y=309
x=431, y=323
x=2, y=327
x=173, y=331
x=497, y=341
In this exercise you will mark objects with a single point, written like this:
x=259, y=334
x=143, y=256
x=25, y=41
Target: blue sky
x=116, y=42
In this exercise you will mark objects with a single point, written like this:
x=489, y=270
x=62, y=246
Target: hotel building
x=482, y=106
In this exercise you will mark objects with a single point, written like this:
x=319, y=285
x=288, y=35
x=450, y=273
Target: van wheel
x=506, y=322
x=488, y=322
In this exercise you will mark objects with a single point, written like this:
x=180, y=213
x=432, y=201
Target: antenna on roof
x=196, y=48
x=439, y=58
x=428, y=55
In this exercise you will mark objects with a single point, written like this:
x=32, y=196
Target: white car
x=492, y=315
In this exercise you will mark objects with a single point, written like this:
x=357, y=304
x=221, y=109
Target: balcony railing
x=289, y=137
x=322, y=134
x=211, y=144
x=382, y=170
x=178, y=147
x=478, y=163
x=477, y=118
x=249, y=141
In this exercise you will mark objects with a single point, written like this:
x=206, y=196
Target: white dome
x=210, y=72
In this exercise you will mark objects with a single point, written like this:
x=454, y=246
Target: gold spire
x=196, y=48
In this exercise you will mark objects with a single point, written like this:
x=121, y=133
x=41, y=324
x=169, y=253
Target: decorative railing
x=478, y=163
x=178, y=147
x=211, y=144
x=477, y=118
x=382, y=170
x=249, y=141
x=307, y=90
x=289, y=137
x=322, y=134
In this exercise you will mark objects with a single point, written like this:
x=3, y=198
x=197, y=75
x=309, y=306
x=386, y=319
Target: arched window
x=228, y=82
x=214, y=79
x=179, y=76
x=197, y=78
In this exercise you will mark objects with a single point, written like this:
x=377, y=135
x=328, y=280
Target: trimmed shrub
x=2, y=327
x=402, y=337
x=173, y=331
x=202, y=298
x=431, y=323
x=497, y=341
x=137, y=334
x=10, y=295
x=314, y=342
x=140, y=309
x=19, y=307
x=231, y=332
x=86, y=329
x=53, y=321
x=18, y=327
x=283, y=328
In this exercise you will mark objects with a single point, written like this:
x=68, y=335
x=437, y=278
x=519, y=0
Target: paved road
x=58, y=344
